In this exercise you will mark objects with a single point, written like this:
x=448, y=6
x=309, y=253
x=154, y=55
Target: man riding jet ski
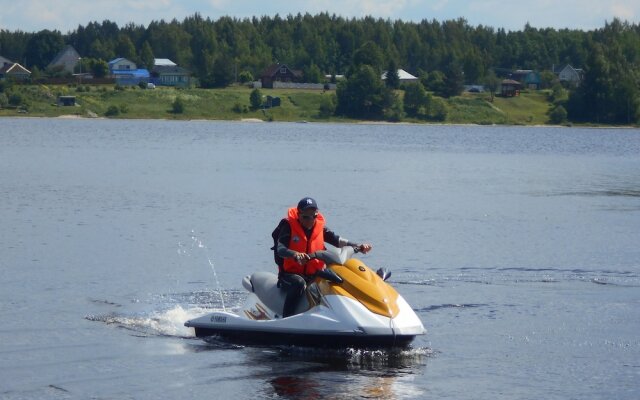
x=303, y=231
x=342, y=304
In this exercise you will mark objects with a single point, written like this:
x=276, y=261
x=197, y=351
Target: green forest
x=445, y=55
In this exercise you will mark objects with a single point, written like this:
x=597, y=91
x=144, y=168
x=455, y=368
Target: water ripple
x=441, y=306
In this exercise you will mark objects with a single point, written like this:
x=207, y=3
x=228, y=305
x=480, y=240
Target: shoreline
x=358, y=122
x=297, y=106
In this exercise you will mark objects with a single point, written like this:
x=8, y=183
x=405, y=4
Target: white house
x=121, y=64
x=569, y=74
x=14, y=71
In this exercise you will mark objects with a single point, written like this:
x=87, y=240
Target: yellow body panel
x=362, y=284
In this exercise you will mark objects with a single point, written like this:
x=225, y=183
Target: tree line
x=444, y=54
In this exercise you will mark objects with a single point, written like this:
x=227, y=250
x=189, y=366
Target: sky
x=66, y=15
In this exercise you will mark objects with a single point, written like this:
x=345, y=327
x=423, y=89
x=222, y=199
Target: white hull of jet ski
x=328, y=316
x=345, y=323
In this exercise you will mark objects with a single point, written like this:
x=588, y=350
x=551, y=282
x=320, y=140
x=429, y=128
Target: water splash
x=385, y=358
x=163, y=323
x=168, y=312
x=197, y=244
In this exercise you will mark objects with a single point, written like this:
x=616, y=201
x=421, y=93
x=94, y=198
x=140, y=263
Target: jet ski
x=346, y=305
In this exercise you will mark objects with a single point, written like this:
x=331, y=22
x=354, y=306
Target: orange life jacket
x=299, y=243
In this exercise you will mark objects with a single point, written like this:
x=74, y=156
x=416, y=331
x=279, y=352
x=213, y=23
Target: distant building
x=279, y=73
x=329, y=77
x=528, y=78
x=131, y=77
x=126, y=73
x=4, y=61
x=510, y=88
x=14, y=71
x=568, y=74
x=67, y=58
x=167, y=73
x=163, y=62
x=474, y=88
x=170, y=76
x=121, y=64
x=404, y=76
x=66, y=101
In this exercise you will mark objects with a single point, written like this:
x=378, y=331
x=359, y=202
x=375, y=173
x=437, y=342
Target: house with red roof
x=279, y=73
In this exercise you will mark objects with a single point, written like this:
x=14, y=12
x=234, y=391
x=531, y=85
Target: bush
x=178, y=105
x=245, y=76
x=415, y=99
x=558, y=93
x=558, y=115
x=327, y=106
x=255, y=98
x=15, y=99
x=437, y=110
x=240, y=108
x=395, y=113
x=112, y=111
x=4, y=100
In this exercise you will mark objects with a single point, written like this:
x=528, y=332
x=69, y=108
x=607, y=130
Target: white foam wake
x=161, y=323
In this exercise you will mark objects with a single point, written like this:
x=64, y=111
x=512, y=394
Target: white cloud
x=219, y=4
x=440, y=5
x=625, y=11
x=383, y=9
x=146, y=5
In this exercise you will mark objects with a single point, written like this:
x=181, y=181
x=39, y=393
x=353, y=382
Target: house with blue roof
x=121, y=64
x=126, y=73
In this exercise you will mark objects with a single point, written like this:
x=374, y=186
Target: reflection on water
x=350, y=358
x=296, y=372
x=359, y=386
x=296, y=387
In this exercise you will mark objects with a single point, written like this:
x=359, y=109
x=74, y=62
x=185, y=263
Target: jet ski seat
x=265, y=286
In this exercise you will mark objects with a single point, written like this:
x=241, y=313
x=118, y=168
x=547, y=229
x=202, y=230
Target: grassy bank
x=233, y=104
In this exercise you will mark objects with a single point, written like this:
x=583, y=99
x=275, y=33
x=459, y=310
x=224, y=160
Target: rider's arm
x=333, y=239
x=337, y=241
x=283, y=242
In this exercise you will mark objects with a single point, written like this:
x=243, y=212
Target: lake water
x=518, y=247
